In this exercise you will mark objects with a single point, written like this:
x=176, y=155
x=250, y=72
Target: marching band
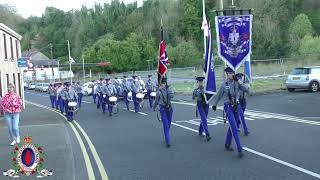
x=106, y=94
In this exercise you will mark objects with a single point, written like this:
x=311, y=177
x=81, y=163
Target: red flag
x=163, y=57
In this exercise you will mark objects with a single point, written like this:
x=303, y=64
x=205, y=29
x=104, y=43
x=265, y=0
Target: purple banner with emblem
x=234, y=39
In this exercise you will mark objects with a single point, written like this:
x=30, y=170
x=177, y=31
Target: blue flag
x=210, y=80
x=234, y=39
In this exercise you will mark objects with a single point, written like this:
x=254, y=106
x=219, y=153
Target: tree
x=310, y=46
x=300, y=27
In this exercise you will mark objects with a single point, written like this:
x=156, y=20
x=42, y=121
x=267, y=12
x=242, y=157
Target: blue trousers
x=125, y=96
x=232, y=130
x=135, y=101
x=241, y=119
x=80, y=99
x=61, y=104
x=166, y=116
x=99, y=100
x=150, y=98
x=53, y=100
x=57, y=102
x=104, y=103
x=94, y=96
x=69, y=113
x=12, y=121
x=203, y=112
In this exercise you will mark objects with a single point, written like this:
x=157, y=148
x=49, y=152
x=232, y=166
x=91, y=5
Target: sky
x=28, y=8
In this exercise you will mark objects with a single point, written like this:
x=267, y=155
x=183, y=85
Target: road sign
x=22, y=62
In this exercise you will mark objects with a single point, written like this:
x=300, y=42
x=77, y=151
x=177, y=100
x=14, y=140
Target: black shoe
x=240, y=154
x=201, y=135
x=228, y=148
x=168, y=145
x=110, y=114
x=208, y=138
x=246, y=133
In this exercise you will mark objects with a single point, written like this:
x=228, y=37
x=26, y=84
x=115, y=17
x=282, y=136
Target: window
x=17, y=48
x=14, y=79
x=11, y=46
x=7, y=80
x=299, y=71
x=19, y=85
x=5, y=46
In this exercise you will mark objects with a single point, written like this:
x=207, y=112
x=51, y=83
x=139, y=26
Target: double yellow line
x=85, y=154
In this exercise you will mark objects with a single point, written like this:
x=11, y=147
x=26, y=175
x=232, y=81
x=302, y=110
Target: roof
x=37, y=58
x=10, y=31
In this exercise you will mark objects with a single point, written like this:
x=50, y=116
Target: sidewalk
x=49, y=130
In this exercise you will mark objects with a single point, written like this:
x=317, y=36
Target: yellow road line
x=82, y=146
x=101, y=168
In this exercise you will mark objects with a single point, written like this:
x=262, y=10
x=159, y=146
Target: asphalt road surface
x=283, y=144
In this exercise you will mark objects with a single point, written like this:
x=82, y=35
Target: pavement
x=283, y=143
x=51, y=131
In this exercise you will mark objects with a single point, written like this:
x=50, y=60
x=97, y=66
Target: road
x=283, y=144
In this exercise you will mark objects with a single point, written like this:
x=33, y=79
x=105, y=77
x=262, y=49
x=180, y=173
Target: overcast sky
x=36, y=7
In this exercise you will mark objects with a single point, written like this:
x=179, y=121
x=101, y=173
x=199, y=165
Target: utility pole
x=84, y=73
x=70, y=71
x=51, y=46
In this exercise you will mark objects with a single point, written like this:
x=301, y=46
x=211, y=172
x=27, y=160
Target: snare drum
x=140, y=97
x=153, y=95
x=104, y=99
x=113, y=100
x=129, y=96
x=72, y=106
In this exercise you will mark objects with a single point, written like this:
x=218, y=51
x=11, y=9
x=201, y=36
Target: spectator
x=11, y=104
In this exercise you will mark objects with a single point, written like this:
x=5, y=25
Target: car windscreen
x=300, y=71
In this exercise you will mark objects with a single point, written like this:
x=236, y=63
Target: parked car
x=304, y=78
x=87, y=88
x=32, y=86
x=38, y=86
x=44, y=87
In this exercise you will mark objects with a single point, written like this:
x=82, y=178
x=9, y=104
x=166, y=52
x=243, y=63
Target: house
x=10, y=51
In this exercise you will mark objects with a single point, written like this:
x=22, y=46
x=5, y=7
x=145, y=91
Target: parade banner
x=234, y=39
x=210, y=80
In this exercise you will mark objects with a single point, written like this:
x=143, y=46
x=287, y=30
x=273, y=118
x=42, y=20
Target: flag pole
x=84, y=75
x=159, y=79
x=69, y=62
x=204, y=37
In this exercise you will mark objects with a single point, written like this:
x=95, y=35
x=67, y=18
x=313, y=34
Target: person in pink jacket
x=11, y=105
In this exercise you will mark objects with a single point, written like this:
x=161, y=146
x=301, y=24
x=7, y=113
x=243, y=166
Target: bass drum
x=72, y=106
x=140, y=97
x=113, y=100
x=129, y=97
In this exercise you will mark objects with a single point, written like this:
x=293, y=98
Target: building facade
x=10, y=51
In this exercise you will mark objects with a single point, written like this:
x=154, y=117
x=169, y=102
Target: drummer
x=70, y=96
x=111, y=92
x=104, y=95
x=151, y=87
x=135, y=86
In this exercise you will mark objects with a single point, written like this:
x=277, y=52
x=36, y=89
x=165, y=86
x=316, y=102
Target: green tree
x=300, y=27
x=310, y=46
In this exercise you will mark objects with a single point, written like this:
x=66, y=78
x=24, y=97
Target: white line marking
x=87, y=102
x=250, y=119
x=96, y=157
x=266, y=156
x=82, y=146
x=184, y=127
x=138, y=112
x=261, y=114
x=35, y=125
x=283, y=163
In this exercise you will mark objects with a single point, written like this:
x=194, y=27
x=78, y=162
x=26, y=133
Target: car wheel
x=290, y=89
x=314, y=86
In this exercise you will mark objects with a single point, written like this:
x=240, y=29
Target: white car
x=44, y=87
x=32, y=86
x=87, y=88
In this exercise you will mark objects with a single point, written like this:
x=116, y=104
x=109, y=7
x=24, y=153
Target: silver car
x=304, y=78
